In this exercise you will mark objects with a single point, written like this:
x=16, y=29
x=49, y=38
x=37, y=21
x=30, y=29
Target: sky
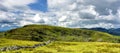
x=65, y=13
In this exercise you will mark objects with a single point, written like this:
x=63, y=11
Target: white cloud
x=11, y=4
x=24, y=22
x=86, y=13
x=5, y=25
x=14, y=12
x=67, y=13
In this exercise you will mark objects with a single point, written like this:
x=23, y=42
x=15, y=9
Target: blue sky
x=40, y=5
x=65, y=13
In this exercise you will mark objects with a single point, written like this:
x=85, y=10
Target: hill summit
x=46, y=32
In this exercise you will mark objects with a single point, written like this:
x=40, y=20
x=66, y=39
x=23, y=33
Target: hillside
x=11, y=42
x=62, y=47
x=45, y=32
x=110, y=31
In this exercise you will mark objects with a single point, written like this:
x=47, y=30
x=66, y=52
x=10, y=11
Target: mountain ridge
x=113, y=31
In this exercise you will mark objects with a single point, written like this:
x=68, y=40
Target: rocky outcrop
x=22, y=47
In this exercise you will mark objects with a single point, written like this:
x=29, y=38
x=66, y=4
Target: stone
x=21, y=47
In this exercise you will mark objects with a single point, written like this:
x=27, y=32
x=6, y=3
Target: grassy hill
x=62, y=47
x=67, y=40
x=113, y=31
x=12, y=42
x=45, y=32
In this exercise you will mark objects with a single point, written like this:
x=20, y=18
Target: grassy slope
x=10, y=42
x=45, y=32
x=65, y=47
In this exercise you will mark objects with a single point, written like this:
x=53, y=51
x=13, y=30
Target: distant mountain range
x=112, y=31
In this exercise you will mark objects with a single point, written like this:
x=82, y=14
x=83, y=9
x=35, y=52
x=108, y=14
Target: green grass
x=65, y=47
x=10, y=42
x=45, y=32
x=68, y=40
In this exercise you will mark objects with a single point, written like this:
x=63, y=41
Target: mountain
x=46, y=32
x=110, y=31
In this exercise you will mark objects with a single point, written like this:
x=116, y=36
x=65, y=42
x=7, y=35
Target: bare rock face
x=21, y=47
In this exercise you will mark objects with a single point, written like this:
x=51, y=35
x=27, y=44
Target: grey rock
x=21, y=47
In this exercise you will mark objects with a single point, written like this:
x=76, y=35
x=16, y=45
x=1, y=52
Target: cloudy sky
x=66, y=13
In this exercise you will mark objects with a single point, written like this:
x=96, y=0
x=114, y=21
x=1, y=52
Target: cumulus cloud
x=88, y=13
x=13, y=4
x=12, y=12
x=67, y=13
